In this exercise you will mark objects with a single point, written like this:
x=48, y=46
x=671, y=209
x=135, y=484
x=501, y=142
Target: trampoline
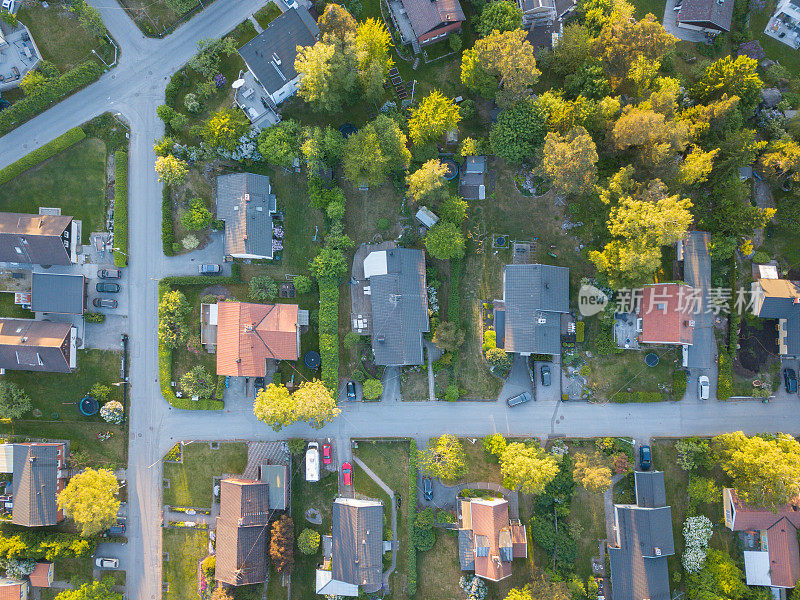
x=312, y=359
x=347, y=130
x=452, y=169
x=651, y=359
x=88, y=406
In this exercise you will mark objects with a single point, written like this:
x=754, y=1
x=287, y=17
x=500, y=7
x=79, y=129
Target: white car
x=107, y=563
x=291, y=3
x=703, y=387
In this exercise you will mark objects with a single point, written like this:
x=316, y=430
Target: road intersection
x=133, y=90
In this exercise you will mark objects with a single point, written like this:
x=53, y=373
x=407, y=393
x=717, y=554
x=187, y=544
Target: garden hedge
x=50, y=149
x=53, y=91
x=411, y=562
x=121, y=208
x=639, y=396
x=329, y=332
x=167, y=233
x=725, y=376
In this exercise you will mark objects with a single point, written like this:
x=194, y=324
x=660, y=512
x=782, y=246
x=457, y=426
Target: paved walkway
x=608, y=504
x=395, y=539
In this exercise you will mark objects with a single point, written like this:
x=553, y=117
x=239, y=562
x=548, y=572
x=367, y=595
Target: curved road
x=134, y=89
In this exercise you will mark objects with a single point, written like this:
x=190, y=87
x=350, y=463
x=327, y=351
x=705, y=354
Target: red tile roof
x=491, y=527
x=784, y=553
x=667, y=313
x=41, y=574
x=755, y=517
x=12, y=591
x=249, y=334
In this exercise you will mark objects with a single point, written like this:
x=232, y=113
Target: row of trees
x=311, y=402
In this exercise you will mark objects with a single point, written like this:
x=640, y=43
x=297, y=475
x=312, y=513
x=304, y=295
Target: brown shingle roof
x=35, y=484
x=755, y=517
x=666, y=312
x=249, y=334
x=38, y=238
x=426, y=15
x=27, y=345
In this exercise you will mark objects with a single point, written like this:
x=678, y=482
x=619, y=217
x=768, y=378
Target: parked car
x=210, y=269
x=645, y=458
x=326, y=454
x=227, y=381
x=347, y=473
x=351, y=390
x=107, y=287
x=259, y=382
x=109, y=274
x=703, y=387
x=107, y=563
x=427, y=488
x=519, y=399
x=545, y=375
x=790, y=380
x=118, y=529
x=104, y=303
x=312, y=462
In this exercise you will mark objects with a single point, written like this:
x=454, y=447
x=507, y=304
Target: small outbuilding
x=426, y=217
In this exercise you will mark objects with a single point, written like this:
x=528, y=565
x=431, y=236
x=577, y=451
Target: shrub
x=308, y=541
x=351, y=340
x=498, y=358
x=452, y=393
x=678, y=384
x=455, y=42
x=121, y=208
x=112, y=412
x=302, y=284
x=494, y=444
x=190, y=242
x=54, y=90
x=220, y=391
x=489, y=339
x=372, y=389
x=383, y=224
x=262, y=288
x=93, y=317
x=100, y=391
x=697, y=531
x=167, y=232
x=474, y=587
x=329, y=332
x=297, y=446
x=725, y=376
x=62, y=142
x=760, y=257
x=198, y=217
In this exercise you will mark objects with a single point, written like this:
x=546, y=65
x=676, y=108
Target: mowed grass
x=615, y=373
x=481, y=466
x=191, y=483
x=186, y=548
x=267, y=14
x=587, y=519
x=74, y=181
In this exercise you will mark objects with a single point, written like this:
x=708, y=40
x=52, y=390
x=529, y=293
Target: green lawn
x=481, y=466
x=10, y=310
x=587, y=522
x=74, y=181
x=612, y=374
x=267, y=14
x=186, y=548
x=414, y=384
x=190, y=483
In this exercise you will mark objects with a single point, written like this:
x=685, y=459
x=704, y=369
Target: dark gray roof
x=27, y=345
x=715, y=14
x=52, y=293
x=399, y=308
x=535, y=296
x=564, y=7
x=248, y=223
x=357, y=555
x=35, y=483
x=466, y=551
x=650, y=492
x=295, y=27
x=639, y=562
x=778, y=302
x=34, y=239
x=426, y=15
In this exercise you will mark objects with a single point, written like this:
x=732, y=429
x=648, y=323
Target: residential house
x=247, y=205
x=18, y=53
x=242, y=532
x=251, y=335
x=38, y=473
x=544, y=19
x=27, y=345
x=53, y=293
x=390, y=302
x=769, y=539
x=643, y=542
x=355, y=560
x=780, y=299
x=534, y=310
x=471, y=184
x=423, y=22
x=488, y=540
x=11, y=589
x=271, y=77
x=42, y=575
x=784, y=25
x=708, y=16
x=665, y=314
x=39, y=239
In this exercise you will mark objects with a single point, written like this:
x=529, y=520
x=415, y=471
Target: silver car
x=703, y=387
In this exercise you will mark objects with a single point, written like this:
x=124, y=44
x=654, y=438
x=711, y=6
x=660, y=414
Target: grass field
x=74, y=181
x=190, y=483
x=186, y=548
x=587, y=522
x=615, y=373
x=267, y=14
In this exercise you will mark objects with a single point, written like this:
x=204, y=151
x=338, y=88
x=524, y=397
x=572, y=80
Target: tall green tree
x=280, y=144
x=14, y=402
x=198, y=382
x=171, y=170
x=322, y=148
x=443, y=458
x=96, y=590
x=428, y=181
x=210, y=53
x=444, y=241
x=655, y=138
x=518, y=132
x=374, y=151
x=571, y=161
x=435, y=115
x=527, y=467
x=336, y=22
x=734, y=77
x=573, y=50
x=373, y=44
x=782, y=158
x=500, y=16
x=224, y=128
x=719, y=579
x=90, y=499
x=172, y=311
x=624, y=40
x=312, y=402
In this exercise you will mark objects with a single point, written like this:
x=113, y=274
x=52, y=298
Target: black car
x=104, y=303
x=351, y=390
x=645, y=458
x=545, y=375
x=107, y=287
x=790, y=380
x=427, y=488
x=519, y=399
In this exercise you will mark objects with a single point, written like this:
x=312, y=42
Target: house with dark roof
x=251, y=335
x=242, y=532
x=249, y=208
x=643, y=543
x=779, y=299
x=355, y=561
x=707, y=16
x=423, y=22
x=784, y=24
x=769, y=540
x=38, y=473
x=394, y=290
x=666, y=314
x=271, y=77
x=39, y=239
x=488, y=540
x=534, y=311
x=27, y=345
x=53, y=293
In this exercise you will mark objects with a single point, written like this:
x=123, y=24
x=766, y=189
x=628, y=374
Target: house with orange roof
x=666, y=314
x=488, y=539
x=249, y=336
x=769, y=540
x=42, y=575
